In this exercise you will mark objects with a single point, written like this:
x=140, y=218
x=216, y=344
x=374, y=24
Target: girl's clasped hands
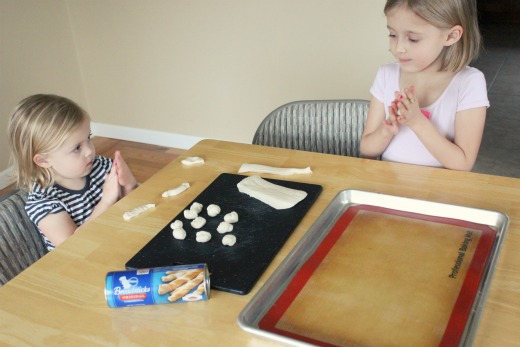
x=119, y=181
x=404, y=110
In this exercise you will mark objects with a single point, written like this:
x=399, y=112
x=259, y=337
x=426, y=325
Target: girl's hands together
x=111, y=188
x=111, y=193
x=390, y=124
x=405, y=107
x=125, y=177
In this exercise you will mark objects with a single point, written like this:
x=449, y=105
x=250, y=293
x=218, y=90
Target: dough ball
x=231, y=217
x=229, y=240
x=213, y=210
x=198, y=222
x=203, y=236
x=179, y=233
x=190, y=214
x=225, y=227
x=176, y=224
x=197, y=207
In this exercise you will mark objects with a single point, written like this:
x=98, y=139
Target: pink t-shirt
x=466, y=90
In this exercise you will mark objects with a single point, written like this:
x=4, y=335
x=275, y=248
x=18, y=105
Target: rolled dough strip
x=269, y=193
x=273, y=170
x=137, y=211
x=176, y=191
x=192, y=161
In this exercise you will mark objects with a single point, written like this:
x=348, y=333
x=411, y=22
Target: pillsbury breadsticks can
x=162, y=285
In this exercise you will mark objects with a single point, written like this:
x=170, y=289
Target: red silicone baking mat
x=385, y=277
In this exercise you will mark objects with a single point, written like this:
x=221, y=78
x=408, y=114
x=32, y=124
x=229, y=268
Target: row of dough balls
x=198, y=222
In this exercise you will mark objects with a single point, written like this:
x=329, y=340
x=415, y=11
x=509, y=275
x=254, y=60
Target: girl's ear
x=454, y=35
x=41, y=161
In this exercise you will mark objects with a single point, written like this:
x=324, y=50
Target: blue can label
x=154, y=286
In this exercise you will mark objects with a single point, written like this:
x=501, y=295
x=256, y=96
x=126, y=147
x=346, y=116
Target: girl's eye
x=77, y=149
x=392, y=36
x=414, y=40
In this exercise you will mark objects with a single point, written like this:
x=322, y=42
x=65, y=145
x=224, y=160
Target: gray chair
x=20, y=241
x=326, y=126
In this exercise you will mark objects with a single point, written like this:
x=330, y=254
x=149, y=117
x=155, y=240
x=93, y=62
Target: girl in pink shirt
x=428, y=108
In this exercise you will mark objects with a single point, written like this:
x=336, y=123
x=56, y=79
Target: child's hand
x=125, y=177
x=111, y=193
x=406, y=107
x=111, y=188
x=390, y=124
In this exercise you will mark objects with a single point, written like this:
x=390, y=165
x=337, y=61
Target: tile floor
x=500, y=62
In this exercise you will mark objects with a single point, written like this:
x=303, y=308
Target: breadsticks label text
x=157, y=285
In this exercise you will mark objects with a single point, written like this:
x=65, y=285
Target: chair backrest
x=326, y=126
x=20, y=241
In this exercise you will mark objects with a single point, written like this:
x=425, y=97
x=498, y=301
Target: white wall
x=37, y=55
x=200, y=68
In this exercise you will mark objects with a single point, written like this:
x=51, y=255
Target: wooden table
x=60, y=299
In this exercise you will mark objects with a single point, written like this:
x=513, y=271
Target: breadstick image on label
x=166, y=288
x=185, y=289
x=200, y=289
x=181, y=282
x=170, y=276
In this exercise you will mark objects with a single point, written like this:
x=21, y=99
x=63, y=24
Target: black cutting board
x=261, y=231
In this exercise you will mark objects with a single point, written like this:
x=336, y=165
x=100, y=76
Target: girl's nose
x=400, y=47
x=89, y=149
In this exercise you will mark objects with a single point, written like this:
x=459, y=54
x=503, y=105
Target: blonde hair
x=40, y=124
x=445, y=14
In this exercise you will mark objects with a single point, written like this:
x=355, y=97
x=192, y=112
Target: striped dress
x=79, y=204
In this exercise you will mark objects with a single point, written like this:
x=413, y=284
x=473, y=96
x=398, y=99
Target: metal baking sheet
x=268, y=298
x=261, y=231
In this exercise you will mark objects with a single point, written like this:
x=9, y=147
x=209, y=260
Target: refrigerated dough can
x=161, y=285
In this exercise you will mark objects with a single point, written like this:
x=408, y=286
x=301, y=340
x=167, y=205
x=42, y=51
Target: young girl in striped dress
x=56, y=162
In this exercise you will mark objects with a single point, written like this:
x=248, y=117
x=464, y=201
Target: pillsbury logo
x=130, y=286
